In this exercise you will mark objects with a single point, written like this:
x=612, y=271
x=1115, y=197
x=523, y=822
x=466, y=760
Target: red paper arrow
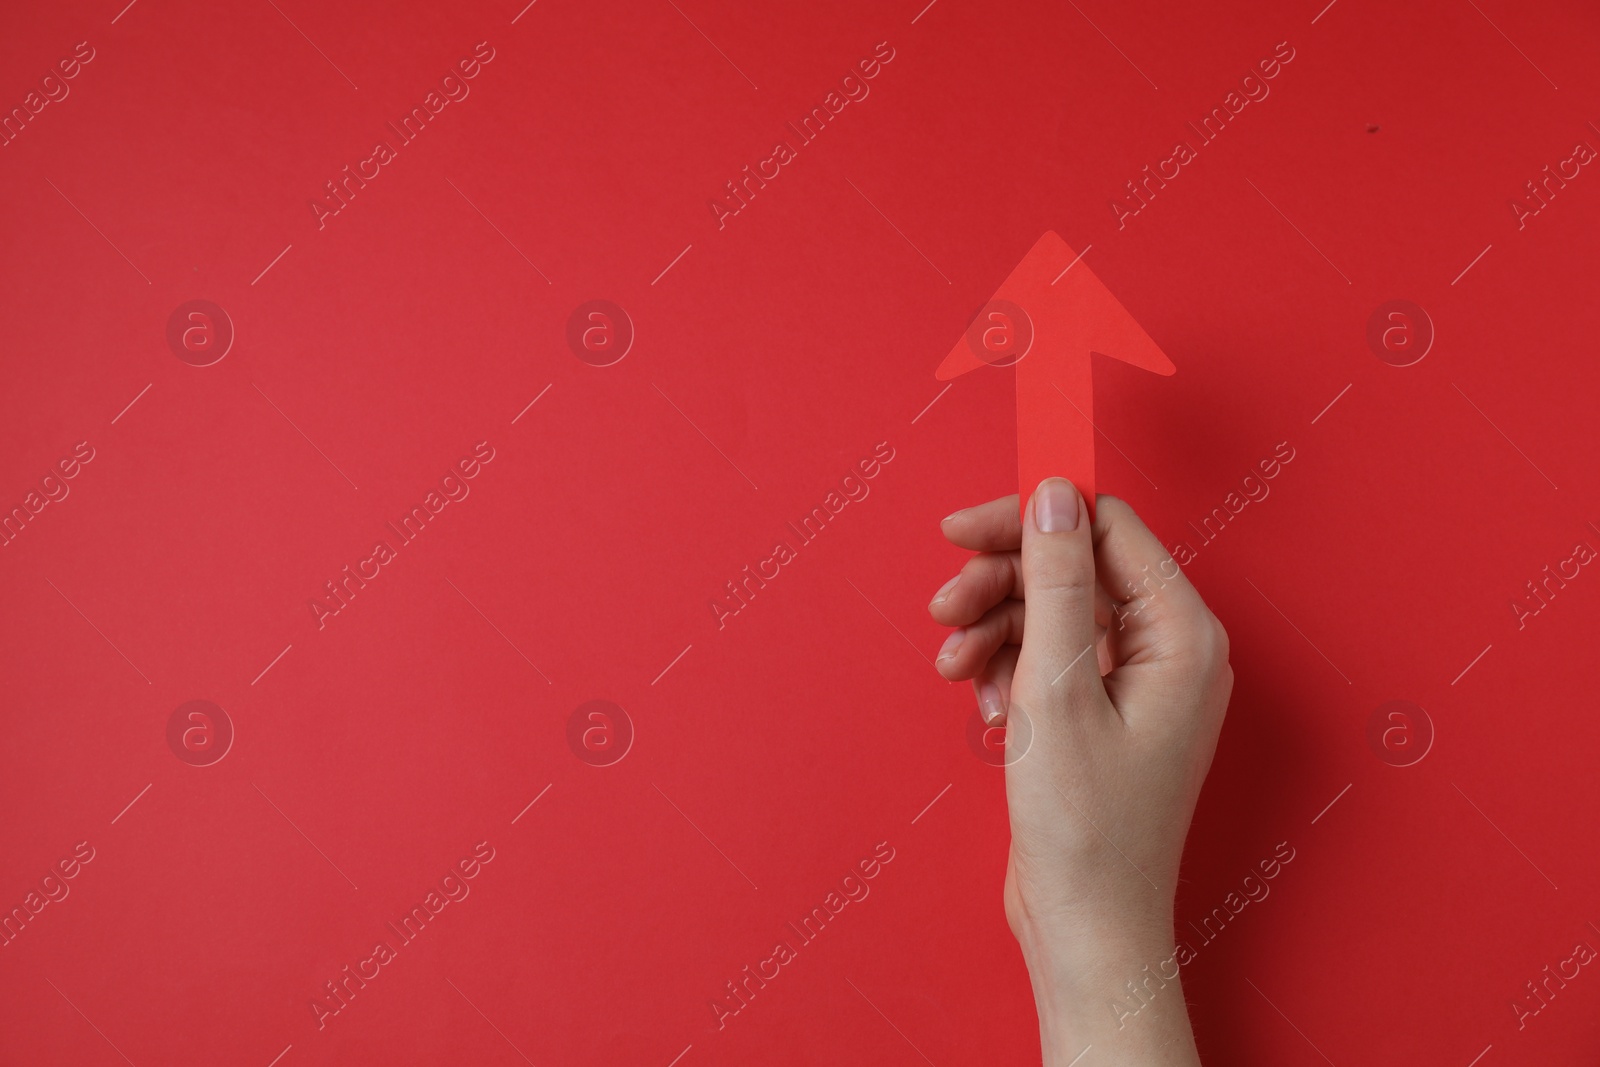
x=1050, y=314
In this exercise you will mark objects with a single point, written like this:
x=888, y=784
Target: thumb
x=1058, y=578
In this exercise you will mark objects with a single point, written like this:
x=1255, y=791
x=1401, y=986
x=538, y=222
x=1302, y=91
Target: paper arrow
x=1047, y=318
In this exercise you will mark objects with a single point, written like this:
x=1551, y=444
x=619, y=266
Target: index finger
x=1155, y=601
x=992, y=527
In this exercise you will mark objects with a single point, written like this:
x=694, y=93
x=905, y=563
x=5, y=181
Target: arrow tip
x=1043, y=262
x=1052, y=291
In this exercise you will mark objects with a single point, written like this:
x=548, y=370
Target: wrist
x=1115, y=987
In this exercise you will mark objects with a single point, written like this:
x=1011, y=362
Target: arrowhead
x=1068, y=311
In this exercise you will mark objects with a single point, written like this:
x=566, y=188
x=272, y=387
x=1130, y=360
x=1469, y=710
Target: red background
x=424, y=717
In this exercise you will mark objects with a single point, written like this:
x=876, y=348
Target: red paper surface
x=1423, y=535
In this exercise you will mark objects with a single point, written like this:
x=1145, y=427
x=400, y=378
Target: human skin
x=1101, y=799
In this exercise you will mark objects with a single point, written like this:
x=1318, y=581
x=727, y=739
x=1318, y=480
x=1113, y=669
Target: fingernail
x=989, y=703
x=1055, y=506
x=944, y=591
x=950, y=516
x=951, y=645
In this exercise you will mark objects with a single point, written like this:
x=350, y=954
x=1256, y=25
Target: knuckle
x=1016, y=623
x=1067, y=577
x=997, y=577
x=1217, y=635
x=1203, y=646
x=1000, y=625
x=971, y=579
x=1110, y=509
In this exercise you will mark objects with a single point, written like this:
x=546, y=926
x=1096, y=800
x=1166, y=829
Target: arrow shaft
x=1055, y=413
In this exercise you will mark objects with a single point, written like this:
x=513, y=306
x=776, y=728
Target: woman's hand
x=1112, y=679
